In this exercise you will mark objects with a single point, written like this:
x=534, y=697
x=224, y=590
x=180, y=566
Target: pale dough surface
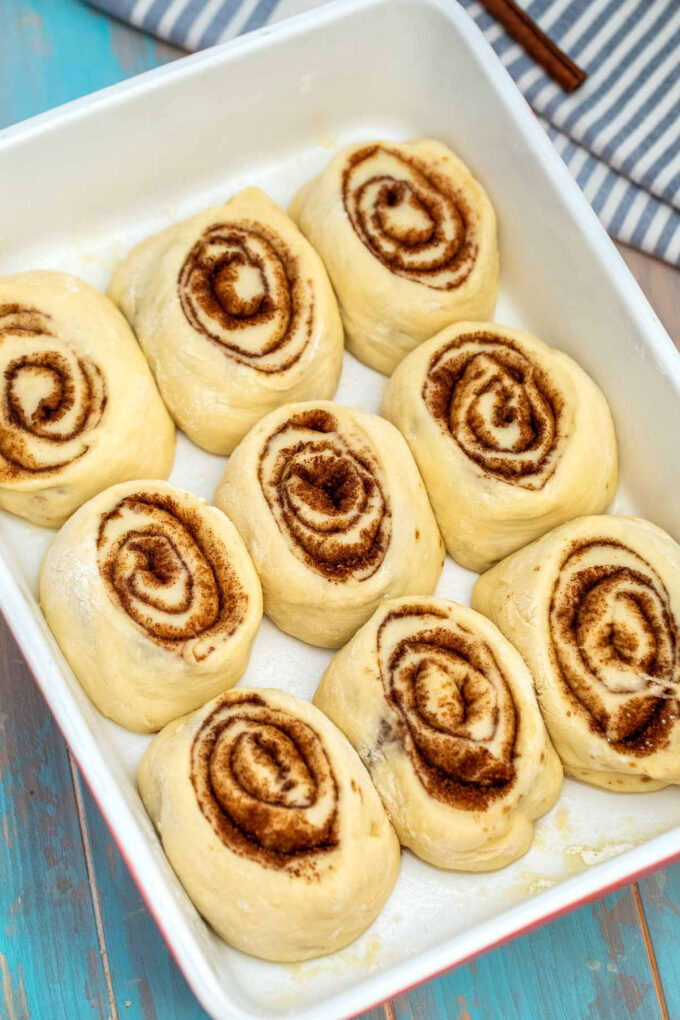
x=440, y=708
x=408, y=237
x=153, y=599
x=236, y=315
x=511, y=436
x=594, y=609
x=74, y=381
x=330, y=856
x=331, y=506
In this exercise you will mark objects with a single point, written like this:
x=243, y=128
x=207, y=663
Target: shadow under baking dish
x=82, y=184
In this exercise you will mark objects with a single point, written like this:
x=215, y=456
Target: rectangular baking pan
x=82, y=183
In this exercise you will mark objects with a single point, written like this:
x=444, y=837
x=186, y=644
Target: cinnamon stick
x=536, y=43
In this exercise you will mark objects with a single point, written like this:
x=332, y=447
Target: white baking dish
x=79, y=185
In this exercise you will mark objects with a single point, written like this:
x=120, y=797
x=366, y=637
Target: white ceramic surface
x=80, y=184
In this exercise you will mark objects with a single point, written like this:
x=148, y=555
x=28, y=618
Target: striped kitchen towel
x=619, y=134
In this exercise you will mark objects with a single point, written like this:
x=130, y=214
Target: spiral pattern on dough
x=499, y=406
x=327, y=494
x=616, y=645
x=241, y=288
x=52, y=397
x=410, y=217
x=457, y=719
x=264, y=781
x=166, y=569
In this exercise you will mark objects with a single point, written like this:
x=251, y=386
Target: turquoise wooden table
x=75, y=937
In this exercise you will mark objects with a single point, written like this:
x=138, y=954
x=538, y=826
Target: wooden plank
x=651, y=955
x=146, y=981
x=50, y=962
x=660, y=901
x=53, y=52
x=589, y=964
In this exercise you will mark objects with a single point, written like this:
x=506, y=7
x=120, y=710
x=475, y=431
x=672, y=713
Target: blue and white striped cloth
x=619, y=134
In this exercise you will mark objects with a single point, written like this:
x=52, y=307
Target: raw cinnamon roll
x=154, y=601
x=511, y=437
x=594, y=608
x=236, y=315
x=409, y=240
x=271, y=824
x=336, y=517
x=73, y=381
x=442, y=712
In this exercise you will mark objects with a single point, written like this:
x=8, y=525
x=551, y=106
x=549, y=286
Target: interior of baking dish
x=81, y=185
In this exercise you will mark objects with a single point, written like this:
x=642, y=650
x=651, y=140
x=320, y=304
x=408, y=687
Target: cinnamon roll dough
x=442, y=712
x=271, y=824
x=236, y=315
x=594, y=608
x=335, y=515
x=408, y=237
x=154, y=601
x=511, y=437
x=73, y=382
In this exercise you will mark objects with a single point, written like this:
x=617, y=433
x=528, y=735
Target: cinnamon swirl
x=73, y=380
x=409, y=240
x=442, y=712
x=594, y=608
x=154, y=601
x=236, y=315
x=336, y=517
x=511, y=437
x=271, y=824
